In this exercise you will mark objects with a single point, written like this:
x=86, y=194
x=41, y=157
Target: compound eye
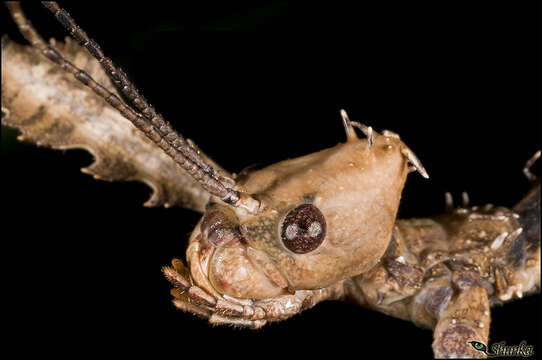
x=303, y=229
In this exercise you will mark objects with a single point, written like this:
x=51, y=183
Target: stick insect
x=183, y=287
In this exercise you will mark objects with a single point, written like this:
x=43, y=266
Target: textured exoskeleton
x=327, y=216
x=444, y=273
x=275, y=241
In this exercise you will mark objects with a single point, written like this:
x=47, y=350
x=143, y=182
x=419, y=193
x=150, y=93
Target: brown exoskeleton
x=278, y=240
x=305, y=238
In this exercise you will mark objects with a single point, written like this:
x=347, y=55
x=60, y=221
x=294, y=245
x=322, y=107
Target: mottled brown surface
x=453, y=343
x=356, y=188
x=465, y=258
x=442, y=273
x=346, y=197
x=465, y=319
x=51, y=108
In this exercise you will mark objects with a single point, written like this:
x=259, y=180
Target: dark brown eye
x=303, y=229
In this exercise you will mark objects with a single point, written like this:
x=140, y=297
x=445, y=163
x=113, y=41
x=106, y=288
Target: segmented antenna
x=151, y=123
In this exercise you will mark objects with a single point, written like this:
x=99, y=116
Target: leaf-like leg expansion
x=465, y=319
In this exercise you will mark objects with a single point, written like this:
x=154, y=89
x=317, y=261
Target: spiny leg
x=224, y=310
x=128, y=89
x=182, y=155
x=191, y=298
x=35, y=39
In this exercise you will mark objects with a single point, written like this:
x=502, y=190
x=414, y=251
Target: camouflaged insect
x=276, y=241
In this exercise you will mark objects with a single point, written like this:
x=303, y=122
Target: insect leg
x=170, y=142
x=128, y=89
x=466, y=318
x=224, y=310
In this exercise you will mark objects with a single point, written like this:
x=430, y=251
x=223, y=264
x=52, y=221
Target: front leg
x=225, y=310
x=466, y=318
x=387, y=287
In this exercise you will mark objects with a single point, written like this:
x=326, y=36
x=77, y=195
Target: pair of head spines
x=368, y=131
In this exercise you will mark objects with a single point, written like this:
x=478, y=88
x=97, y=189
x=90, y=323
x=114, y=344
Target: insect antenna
x=129, y=90
x=148, y=120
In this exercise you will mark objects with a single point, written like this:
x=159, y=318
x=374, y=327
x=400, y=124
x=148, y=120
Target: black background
x=258, y=84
